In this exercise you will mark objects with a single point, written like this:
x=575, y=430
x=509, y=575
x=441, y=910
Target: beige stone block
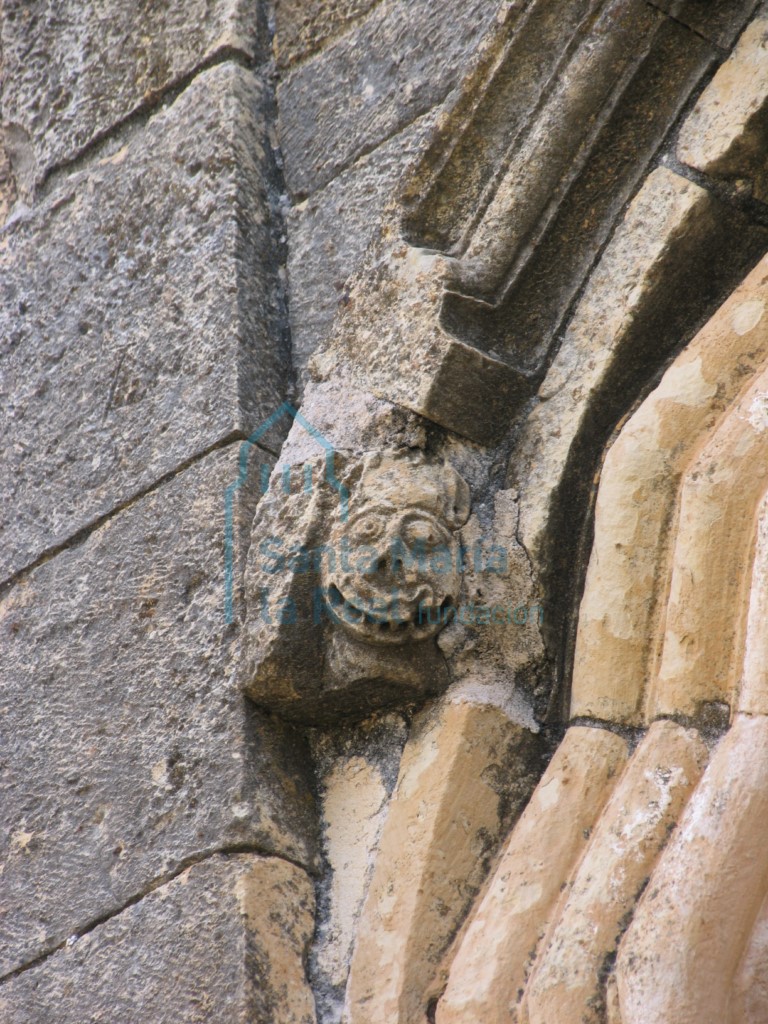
x=706, y=610
x=278, y=903
x=679, y=956
x=753, y=696
x=668, y=215
x=493, y=953
x=749, y=995
x=622, y=609
x=466, y=770
x=356, y=766
x=567, y=982
x=725, y=133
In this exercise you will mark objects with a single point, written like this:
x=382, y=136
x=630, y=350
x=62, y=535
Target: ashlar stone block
x=138, y=316
x=128, y=748
x=567, y=984
x=726, y=131
x=637, y=499
x=373, y=81
x=224, y=942
x=693, y=924
x=467, y=769
x=73, y=71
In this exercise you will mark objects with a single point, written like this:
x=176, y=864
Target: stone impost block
x=222, y=943
x=467, y=770
x=492, y=957
x=73, y=71
x=392, y=342
x=128, y=748
x=138, y=316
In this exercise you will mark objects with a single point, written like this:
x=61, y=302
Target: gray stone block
x=128, y=748
x=74, y=70
x=303, y=26
x=139, y=316
x=329, y=233
x=719, y=21
x=223, y=943
x=372, y=82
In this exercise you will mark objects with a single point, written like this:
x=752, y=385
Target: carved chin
x=405, y=617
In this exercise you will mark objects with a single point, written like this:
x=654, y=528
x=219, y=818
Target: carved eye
x=422, y=534
x=368, y=529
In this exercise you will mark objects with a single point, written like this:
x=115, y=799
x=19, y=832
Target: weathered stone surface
x=128, y=745
x=223, y=942
x=357, y=767
x=467, y=769
x=726, y=133
x=138, y=329
x=622, y=610
x=329, y=233
x=73, y=70
x=390, y=340
x=279, y=903
x=568, y=979
x=7, y=183
x=692, y=925
x=372, y=82
x=552, y=148
x=570, y=172
x=303, y=26
x=721, y=21
x=703, y=647
x=753, y=694
x=750, y=984
x=670, y=225
x=494, y=951
x=350, y=626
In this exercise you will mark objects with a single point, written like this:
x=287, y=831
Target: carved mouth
x=388, y=625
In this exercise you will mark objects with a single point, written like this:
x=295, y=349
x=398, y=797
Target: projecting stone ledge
x=392, y=341
x=223, y=943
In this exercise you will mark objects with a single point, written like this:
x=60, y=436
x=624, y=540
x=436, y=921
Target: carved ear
x=457, y=498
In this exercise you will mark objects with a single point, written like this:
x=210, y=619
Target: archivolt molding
x=624, y=608
x=688, y=468
x=450, y=331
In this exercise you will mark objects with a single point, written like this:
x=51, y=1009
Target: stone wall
x=467, y=240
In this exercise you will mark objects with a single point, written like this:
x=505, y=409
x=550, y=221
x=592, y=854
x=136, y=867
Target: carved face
x=396, y=566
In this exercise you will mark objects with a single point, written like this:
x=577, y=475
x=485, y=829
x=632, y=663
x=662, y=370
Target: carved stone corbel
x=345, y=600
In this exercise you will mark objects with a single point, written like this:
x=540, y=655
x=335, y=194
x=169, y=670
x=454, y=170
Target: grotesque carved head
x=396, y=569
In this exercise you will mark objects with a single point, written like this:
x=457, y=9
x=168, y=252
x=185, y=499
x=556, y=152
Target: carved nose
x=389, y=559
